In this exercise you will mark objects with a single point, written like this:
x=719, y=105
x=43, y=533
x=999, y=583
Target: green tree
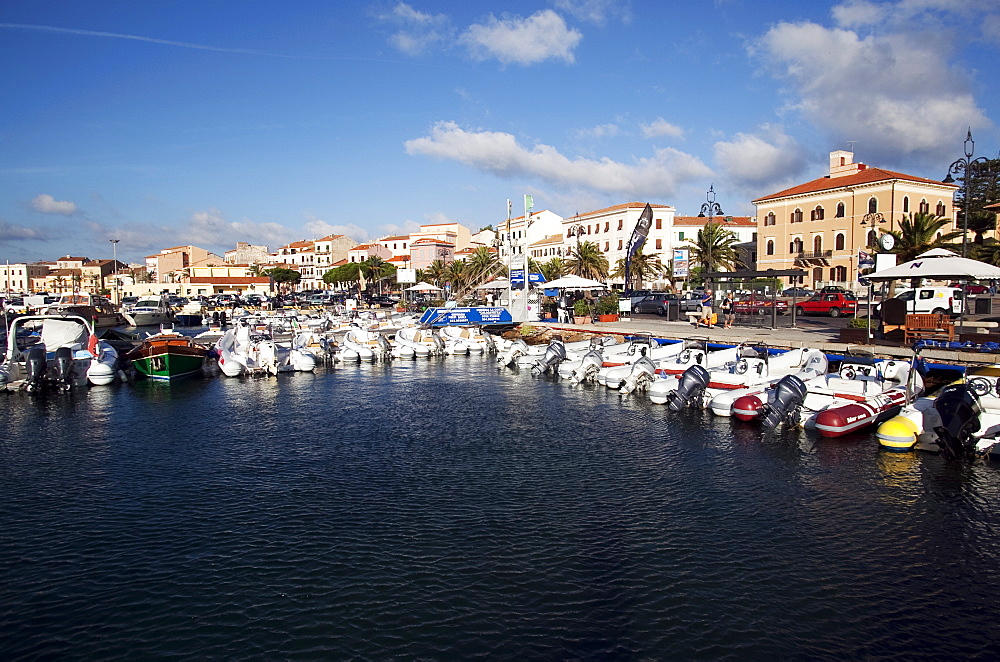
x=921, y=232
x=435, y=272
x=643, y=267
x=981, y=222
x=714, y=248
x=283, y=276
x=587, y=261
x=458, y=274
x=553, y=269
x=482, y=264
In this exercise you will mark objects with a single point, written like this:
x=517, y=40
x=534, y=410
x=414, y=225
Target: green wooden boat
x=167, y=356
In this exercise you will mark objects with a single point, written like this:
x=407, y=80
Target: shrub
x=607, y=304
x=581, y=308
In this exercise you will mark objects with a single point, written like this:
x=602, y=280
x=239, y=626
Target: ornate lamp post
x=114, y=251
x=710, y=209
x=965, y=168
x=577, y=231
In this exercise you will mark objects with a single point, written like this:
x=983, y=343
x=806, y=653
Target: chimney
x=842, y=164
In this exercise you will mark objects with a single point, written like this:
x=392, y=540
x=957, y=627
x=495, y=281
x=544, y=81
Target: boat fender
x=789, y=394
x=690, y=388
x=747, y=407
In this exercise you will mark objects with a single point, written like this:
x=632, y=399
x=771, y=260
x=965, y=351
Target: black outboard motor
x=555, y=354
x=690, y=388
x=64, y=367
x=959, y=407
x=35, y=368
x=789, y=394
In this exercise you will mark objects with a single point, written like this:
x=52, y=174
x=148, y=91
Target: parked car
x=758, y=304
x=691, y=302
x=939, y=300
x=639, y=295
x=833, y=304
x=973, y=288
x=656, y=303
x=381, y=301
x=797, y=292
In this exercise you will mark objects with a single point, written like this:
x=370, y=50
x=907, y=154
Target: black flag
x=636, y=242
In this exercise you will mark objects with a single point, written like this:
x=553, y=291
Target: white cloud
x=661, y=127
x=418, y=31
x=393, y=229
x=601, y=131
x=500, y=154
x=46, y=204
x=513, y=40
x=856, y=13
x=760, y=161
x=211, y=230
x=895, y=93
x=597, y=12
x=10, y=232
x=316, y=228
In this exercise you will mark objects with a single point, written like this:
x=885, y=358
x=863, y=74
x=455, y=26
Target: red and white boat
x=863, y=393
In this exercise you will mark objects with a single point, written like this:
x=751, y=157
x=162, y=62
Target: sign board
x=461, y=316
x=407, y=276
x=681, y=263
x=517, y=276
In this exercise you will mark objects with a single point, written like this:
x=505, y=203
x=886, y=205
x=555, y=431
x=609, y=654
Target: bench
x=928, y=326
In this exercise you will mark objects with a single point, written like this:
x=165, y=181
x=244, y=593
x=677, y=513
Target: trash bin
x=984, y=306
x=673, y=311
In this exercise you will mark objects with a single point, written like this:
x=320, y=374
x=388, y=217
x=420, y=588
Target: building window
x=872, y=238
x=769, y=219
x=940, y=208
x=619, y=244
x=607, y=246
x=817, y=245
x=659, y=224
x=839, y=242
x=797, y=216
x=840, y=210
x=680, y=236
x=659, y=244
x=770, y=247
x=607, y=226
x=872, y=205
x=620, y=222
x=925, y=207
x=816, y=214
x=906, y=203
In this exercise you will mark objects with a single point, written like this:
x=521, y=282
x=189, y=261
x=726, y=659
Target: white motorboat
x=864, y=392
x=97, y=309
x=364, y=345
x=56, y=350
x=251, y=350
x=618, y=366
x=470, y=337
x=423, y=342
x=150, y=311
x=811, y=363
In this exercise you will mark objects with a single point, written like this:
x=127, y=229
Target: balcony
x=814, y=255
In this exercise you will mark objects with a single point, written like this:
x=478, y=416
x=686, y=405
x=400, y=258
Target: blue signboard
x=517, y=276
x=462, y=316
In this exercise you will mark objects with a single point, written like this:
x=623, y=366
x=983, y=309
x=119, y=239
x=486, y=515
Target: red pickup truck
x=833, y=304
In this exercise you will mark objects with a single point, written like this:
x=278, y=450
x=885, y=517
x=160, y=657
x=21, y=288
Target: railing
x=815, y=254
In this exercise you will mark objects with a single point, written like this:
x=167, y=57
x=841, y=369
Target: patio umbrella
x=423, y=287
x=573, y=282
x=939, y=264
x=498, y=284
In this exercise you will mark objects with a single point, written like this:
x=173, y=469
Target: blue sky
x=163, y=124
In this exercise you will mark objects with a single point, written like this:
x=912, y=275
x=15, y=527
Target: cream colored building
x=17, y=277
x=821, y=225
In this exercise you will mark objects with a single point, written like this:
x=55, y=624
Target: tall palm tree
x=435, y=272
x=458, y=274
x=588, y=261
x=920, y=233
x=482, y=263
x=642, y=266
x=553, y=269
x=981, y=222
x=714, y=247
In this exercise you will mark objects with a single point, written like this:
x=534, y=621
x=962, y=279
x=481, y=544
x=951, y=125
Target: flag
x=528, y=202
x=636, y=242
x=865, y=259
x=92, y=344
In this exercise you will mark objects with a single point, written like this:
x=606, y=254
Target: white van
x=932, y=300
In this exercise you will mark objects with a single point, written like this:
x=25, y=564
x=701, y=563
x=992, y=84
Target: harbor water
x=446, y=509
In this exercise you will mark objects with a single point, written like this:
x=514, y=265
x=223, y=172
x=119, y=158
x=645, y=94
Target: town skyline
x=208, y=125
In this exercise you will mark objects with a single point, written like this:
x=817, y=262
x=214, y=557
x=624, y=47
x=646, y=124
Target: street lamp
x=965, y=167
x=577, y=231
x=711, y=208
x=114, y=251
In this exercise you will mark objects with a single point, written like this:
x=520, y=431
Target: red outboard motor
x=789, y=394
x=35, y=368
x=959, y=407
x=64, y=367
x=690, y=388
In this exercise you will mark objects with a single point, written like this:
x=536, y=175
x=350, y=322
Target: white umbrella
x=940, y=264
x=423, y=287
x=498, y=284
x=573, y=282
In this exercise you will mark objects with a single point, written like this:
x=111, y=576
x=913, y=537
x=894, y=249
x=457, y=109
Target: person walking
x=706, y=307
x=728, y=312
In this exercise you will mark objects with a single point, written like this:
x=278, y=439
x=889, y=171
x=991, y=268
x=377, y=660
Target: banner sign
x=681, y=263
x=865, y=260
x=461, y=316
x=406, y=275
x=517, y=276
x=636, y=242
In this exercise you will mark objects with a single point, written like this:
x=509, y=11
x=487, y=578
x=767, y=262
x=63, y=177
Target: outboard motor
x=516, y=349
x=491, y=345
x=589, y=366
x=641, y=376
x=555, y=354
x=690, y=388
x=789, y=394
x=35, y=368
x=64, y=367
x=959, y=407
x=384, y=346
x=438, y=343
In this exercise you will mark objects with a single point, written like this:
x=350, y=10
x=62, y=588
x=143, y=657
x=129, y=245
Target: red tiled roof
x=330, y=237
x=399, y=258
x=428, y=240
x=702, y=220
x=865, y=176
x=403, y=237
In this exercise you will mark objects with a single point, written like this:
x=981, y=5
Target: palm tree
x=981, y=222
x=482, y=263
x=920, y=233
x=553, y=269
x=714, y=247
x=435, y=272
x=458, y=274
x=642, y=266
x=588, y=261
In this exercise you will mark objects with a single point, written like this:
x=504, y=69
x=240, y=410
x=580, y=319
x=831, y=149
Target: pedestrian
x=728, y=312
x=706, y=307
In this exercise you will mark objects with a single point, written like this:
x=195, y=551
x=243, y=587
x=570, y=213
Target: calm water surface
x=447, y=510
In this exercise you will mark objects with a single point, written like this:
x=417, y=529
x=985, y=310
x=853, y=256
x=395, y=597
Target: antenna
x=850, y=143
